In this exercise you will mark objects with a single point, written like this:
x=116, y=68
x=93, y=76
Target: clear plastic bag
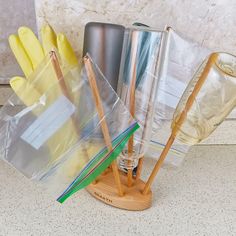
x=137, y=87
x=55, y=137
x=180, y=59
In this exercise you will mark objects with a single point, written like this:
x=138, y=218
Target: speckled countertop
x=198, y=198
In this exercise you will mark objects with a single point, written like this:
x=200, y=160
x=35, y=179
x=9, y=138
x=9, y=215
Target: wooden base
x=105, y=190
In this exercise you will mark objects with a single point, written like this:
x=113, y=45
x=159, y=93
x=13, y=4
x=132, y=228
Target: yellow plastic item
x=49, y=38
x=30, y=53
x=30, y=94
x=21, y=55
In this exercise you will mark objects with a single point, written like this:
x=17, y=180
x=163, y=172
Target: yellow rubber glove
x=30, y=53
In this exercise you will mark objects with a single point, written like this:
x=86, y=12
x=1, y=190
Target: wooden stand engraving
x=105, y=190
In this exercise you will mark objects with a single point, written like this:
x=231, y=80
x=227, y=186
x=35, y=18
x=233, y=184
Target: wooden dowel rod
x=134, y=48
x=139, y=167
x=104, y=127
x=61, y=79
x=158, y=164
x=180, y=121
x=59, y=74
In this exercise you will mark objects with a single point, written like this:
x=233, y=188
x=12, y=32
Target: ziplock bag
x=51, y=138
x=180, y=59
x=138, y=81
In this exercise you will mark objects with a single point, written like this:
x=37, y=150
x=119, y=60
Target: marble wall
x=13, y=14
x=209, y=22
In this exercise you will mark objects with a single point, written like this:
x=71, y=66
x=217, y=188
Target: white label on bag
x=49, y=122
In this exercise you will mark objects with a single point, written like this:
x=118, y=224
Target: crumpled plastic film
x=55, y=137
x=180, y=58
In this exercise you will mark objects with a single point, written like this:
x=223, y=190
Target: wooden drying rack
x=115, y=187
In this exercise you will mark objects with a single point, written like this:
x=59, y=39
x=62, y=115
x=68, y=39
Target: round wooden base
x=105, y=190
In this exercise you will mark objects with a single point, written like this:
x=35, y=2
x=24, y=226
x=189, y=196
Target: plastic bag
x=56, y=137
x=137, y=87
x=180, y=59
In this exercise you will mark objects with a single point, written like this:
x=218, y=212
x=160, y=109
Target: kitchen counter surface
x=198, y=198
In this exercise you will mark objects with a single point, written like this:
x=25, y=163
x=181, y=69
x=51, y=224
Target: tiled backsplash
x=209, y=22
x=13, y=14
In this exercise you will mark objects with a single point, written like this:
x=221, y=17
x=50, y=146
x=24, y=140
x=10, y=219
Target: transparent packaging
x=55, y=137
x=180, y=59
x=214, y=101
x=137, y=85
